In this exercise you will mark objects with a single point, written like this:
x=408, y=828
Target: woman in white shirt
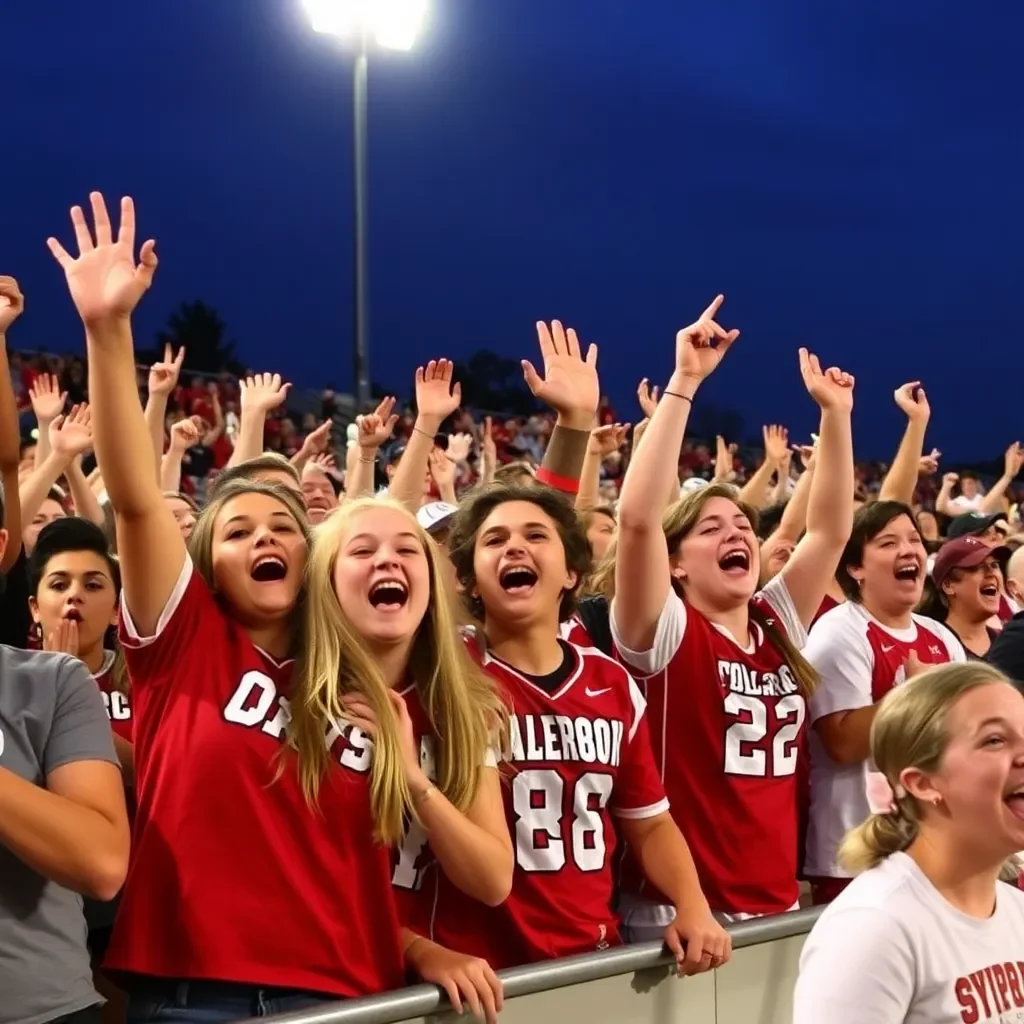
x=927, y=934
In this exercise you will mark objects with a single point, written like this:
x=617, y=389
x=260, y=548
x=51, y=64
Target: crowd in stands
x=294, y=710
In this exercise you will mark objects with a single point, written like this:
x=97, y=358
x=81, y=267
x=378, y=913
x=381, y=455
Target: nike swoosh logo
x=886, y=649
x=598, y=693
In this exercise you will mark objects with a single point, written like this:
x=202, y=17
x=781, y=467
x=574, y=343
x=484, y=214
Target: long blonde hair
x=465, y=710
x=910, y=731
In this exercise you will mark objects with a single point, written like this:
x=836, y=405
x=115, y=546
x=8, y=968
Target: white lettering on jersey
x=738, y=678
x=561, y=738
x=410, y=862
x=118, y=708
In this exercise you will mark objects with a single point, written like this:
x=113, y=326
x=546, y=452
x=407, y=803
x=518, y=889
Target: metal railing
x=423, y=1000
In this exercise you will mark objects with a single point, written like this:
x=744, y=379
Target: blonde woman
x=926, y=933
x=382, y=656
x=267, y=896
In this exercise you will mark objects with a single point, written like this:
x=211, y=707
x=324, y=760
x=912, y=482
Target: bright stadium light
x=394, y=24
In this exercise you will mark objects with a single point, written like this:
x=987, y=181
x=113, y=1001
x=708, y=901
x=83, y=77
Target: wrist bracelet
x=423, y=432
x=369, y=462
x=675, y=394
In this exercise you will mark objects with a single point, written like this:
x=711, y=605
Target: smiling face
x=258, y=556
x=318, y=494
x=718, y=561
x=981, y=777
x=78, y=586
x=382, y=576
x=892, y=571
x=974, y=592
x=519, y=565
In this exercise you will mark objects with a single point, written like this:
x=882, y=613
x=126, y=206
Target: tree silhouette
x=201, y=330
x=495, y=383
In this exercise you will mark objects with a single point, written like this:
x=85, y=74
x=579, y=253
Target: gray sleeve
x=81, y=728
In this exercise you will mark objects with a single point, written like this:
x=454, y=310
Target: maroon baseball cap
x=962, y=553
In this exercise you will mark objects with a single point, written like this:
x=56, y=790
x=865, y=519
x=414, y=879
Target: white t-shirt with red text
x=859, y=661
x=891, y=950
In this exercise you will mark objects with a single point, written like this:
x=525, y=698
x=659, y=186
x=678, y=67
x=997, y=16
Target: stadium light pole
x=394, y=25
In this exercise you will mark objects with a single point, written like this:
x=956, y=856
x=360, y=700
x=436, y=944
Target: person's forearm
x=87, y=505
x=794, y=515
x=170, y=470
x=667, y=862
x=249, y=442
x=655, y=465
x=755, y=491
x=479, y=863
x=830, y=506
x=780, y=492
x=156, y=414
x=901, y=480
x=942, y=500
x=993, y=500
x=564, y=457
x=589, y=493
x=446, y=492
x=123, y=446
x=75, y=846
x=407, y=483
x=37, y=485
x=42, y=441
x=359, y=480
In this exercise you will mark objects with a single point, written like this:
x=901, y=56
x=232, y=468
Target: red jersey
x=118, y=705
x=233, y=876
x=859, y=661
x=727, y=724
x=827, y=604
x=581, y=755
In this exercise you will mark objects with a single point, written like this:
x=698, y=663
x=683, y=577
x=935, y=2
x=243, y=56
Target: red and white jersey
x=575, y=632
x=118, y=705
x=580, y=756
x=859, y=661
x=727, y=724
x=233, y=877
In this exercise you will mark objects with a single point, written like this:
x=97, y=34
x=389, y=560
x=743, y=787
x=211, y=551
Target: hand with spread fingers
x=71, y=435
x=47, y=398
x=262, y=392
x=104, y=280
x=570, y=384
x=437, y=395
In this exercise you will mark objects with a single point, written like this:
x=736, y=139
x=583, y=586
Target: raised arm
x=106, y=285
x=994, y=500
x=809, y=572
x=184, y=434
x=901, y=480
x=642, y=562
x=163, y=379
x=603, y=441
x=12, y=302
x=47, y=402
x=258, y=394
x=68, y=438
x=757, y=489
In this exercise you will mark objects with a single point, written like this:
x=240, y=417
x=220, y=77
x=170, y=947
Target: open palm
x=104, y=280
x=570, y=383
x=71, y=435
x=436, y=396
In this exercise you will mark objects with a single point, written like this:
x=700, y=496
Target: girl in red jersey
x=726, y=685
x=242, y=899
x=581, y=757
x=861, y=651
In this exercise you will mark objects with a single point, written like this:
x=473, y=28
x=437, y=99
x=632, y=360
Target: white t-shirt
x=859, y=661
x=892, y=950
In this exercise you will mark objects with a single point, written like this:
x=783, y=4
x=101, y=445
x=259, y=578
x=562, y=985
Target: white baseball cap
x=435, y=515
x=694, y=483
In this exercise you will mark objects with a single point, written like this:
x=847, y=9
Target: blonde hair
x=910, y=731
x=600, y=581
x=200, y=541
x=466, y=713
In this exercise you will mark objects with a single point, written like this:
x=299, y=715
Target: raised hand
x=648, y=397
x=163, y=376
x=569, y=384
x=950, y=480
x=702, y=346
x=185, y=433
x=316, y=441
x=262, y=392
x=442, y=469
x=831, y=389
x=47, y=398
x=71, y=435
x=104, y=281
x=459, y=447
x=776, y=443
x=724, y=459
x=928, y=465
x=488, y=447
x=12, y=302
x=913, y=401
x=437, y=397
x=1013, y=459
x=607, y=439
x=376, y=427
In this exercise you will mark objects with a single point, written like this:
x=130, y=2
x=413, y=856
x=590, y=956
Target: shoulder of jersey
x=475, y=641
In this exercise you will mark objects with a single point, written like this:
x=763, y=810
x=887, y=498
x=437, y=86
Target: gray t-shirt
x=51, y=714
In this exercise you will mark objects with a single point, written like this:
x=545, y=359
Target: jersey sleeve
x=185, y=623
x=776, y=595
x=80, y=729
x=856, y=968
x=639, y=792
x=668, y=635
x=841, y=654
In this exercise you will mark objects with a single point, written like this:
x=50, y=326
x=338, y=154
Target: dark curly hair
x=479, y=504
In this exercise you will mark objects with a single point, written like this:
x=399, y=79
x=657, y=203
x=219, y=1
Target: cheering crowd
x=295, y=741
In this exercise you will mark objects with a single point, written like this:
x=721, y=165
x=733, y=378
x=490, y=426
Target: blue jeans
x=210, y=1002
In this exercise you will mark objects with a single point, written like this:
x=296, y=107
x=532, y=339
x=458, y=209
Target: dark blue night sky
x=849, y=174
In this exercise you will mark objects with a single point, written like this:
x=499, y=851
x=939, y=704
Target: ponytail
x=882, y=835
